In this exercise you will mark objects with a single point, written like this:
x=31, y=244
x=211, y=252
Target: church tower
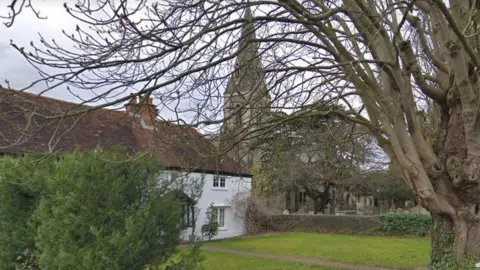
x=246, y=101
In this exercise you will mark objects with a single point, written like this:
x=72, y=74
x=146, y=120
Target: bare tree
x=15, y=7
x=381, y=59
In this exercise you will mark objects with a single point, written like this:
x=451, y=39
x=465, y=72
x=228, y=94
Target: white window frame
x=188, y=214
x=218, y=180
x=219, y=210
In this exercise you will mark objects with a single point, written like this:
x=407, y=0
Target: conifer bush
x=21, y=186
x=87, y=210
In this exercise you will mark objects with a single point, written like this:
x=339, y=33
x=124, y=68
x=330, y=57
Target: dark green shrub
x=186, y=259
x=103, y=212
x=210, y=228
x=21, y=184
x=405, y=224
x=87, y=210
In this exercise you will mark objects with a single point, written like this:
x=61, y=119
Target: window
x=220, y=213
x=219, y=181
x=238, y=116
x=302, y=197
x=236, y=74
x=222, y=182
x=187, y=213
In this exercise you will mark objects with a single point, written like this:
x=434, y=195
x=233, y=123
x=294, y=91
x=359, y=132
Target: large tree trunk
x=319, y=205
x=462, y=241
x=320, y=199
x=333, y=201
x=467, y=237
x=459, y=231
x=441, y=237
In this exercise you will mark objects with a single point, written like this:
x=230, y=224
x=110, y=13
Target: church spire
x=248, y=34
x=247, y=62
x=246, y=99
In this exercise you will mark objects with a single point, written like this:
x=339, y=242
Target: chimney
x=130, y=107
x=142, y=107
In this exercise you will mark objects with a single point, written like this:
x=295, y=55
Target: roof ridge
x=34, y=95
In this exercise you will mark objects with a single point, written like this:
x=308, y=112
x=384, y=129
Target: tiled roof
x=24, y=127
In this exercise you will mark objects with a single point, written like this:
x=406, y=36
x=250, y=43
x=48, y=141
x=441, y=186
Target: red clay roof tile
x=24, y=128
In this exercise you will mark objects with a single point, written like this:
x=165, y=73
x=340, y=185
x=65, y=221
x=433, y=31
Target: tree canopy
x=384, y=185
x=313, y=154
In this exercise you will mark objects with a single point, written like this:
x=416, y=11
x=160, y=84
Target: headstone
x=409, y=204
x=311, y=213
x=418, y=209
x=285, y=212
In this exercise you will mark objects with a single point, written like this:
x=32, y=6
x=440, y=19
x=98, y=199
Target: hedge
x=324, y=223
x=407, y=224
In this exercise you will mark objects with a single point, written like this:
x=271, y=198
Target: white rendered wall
x=236, y=188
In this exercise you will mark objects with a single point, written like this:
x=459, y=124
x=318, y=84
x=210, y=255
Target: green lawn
x=395, y=252
x=221, y=261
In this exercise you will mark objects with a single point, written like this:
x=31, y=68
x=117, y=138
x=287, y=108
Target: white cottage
x=225, y=192
x=183, y=151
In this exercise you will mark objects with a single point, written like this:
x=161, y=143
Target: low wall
x=322, y=223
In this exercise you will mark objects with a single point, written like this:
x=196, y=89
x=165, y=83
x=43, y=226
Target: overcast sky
x=26, y=29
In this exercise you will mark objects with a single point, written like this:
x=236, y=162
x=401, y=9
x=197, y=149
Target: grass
x=395, y=252
x=221, y=261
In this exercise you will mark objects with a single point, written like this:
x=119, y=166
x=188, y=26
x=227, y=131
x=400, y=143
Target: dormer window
x=219, y=181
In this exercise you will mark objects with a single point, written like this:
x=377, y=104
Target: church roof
x=25, y=127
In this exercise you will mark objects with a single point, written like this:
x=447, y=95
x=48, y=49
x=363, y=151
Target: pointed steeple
x=247, y=62
x=248, y=34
